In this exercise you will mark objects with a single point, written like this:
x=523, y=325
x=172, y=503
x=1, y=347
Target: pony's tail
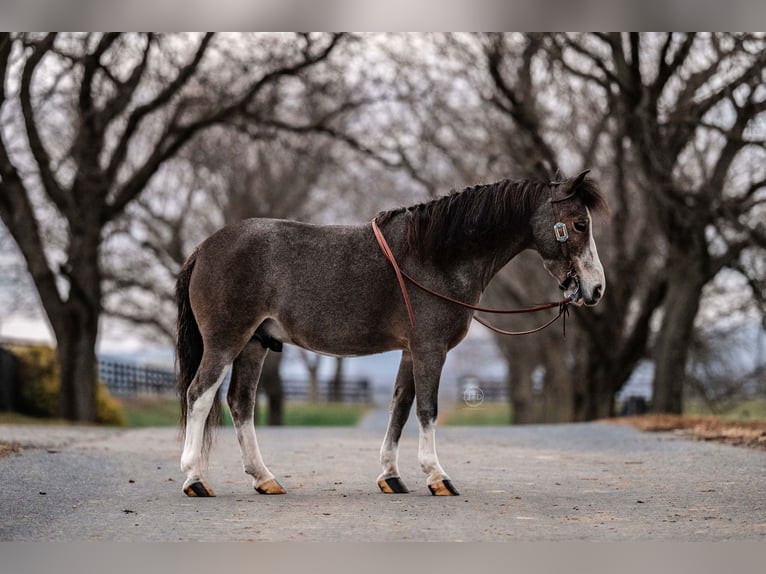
x=189, y=353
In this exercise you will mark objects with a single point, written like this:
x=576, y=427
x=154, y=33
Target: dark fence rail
x=126, y=380
x=351, y=390
x=474, y=391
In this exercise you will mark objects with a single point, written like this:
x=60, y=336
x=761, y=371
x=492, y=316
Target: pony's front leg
x=427, y=369
x=404, y=393
x=241, y=398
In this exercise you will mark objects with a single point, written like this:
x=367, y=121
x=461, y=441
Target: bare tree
x=658, y=119
x=530, y=117
x=691, y=109
x=88, y=120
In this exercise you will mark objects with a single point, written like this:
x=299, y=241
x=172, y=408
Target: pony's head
x=563, y=235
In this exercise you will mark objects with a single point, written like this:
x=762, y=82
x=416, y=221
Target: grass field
x=500, y=413
x=484, y=414
x=149, y=412
x=165, y=412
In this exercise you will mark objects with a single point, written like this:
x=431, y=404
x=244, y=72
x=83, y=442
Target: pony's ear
x=568, y=188
x=580, y=178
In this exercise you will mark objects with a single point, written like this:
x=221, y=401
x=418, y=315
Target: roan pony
x=259, y=283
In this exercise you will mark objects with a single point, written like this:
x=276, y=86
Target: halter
x=561, y=233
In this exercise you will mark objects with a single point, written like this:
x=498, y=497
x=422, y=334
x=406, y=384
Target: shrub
x=38, y=384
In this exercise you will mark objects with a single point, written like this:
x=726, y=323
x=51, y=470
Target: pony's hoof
x=392, y=485
x=198, y=488
x=443, y=488
x=270, y=487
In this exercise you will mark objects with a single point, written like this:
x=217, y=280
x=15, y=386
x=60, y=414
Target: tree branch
x=595, y=59
x=40, y=153
x=141, y=112
x=520, y=110
x=91, y=65
x=667, y=69
x=124, y=95
x=176, y=137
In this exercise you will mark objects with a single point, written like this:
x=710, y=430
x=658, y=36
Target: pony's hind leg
x=201, y=395
x=404, y=393
x=241, y=398
x=427, y=368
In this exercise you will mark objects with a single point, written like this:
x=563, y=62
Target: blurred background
x=121, y=152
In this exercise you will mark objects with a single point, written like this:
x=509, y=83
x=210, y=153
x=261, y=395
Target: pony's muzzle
x=594, y=296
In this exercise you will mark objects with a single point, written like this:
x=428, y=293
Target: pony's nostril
x=597, y=292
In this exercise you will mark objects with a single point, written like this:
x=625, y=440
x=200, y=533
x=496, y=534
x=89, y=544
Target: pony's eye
x=581, y=226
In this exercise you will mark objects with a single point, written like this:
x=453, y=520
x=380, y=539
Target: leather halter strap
x=401, y=275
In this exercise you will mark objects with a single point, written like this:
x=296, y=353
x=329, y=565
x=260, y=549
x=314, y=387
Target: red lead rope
x=401, y=276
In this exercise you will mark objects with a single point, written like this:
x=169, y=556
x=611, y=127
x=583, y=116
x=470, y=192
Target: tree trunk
x=672, y=347
x=558, y=391
x=78, y=370
x=313, y=385
x=520, y=387
x=336, y=385
x=311, y=362
x=271, y=382
x=595, y=398
x=75, y=324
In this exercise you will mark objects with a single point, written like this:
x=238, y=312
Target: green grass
x=322, y=414
x=484, y=414
x=146, y=412
x=749, y=410
x=165, y=412
x=500, y=413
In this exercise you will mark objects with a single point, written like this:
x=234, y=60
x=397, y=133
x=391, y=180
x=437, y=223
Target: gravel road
x=593, y=481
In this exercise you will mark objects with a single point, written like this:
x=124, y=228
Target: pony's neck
x=488, y=264
x=471, y=246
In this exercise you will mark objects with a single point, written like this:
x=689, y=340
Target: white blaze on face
x=589, y=268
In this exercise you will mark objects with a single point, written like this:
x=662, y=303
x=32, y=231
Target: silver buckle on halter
x=560, y=230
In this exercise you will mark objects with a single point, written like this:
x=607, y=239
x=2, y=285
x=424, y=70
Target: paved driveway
x=592, y=481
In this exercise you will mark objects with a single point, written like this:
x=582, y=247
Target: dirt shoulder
x=7, y=448
x=750, y=434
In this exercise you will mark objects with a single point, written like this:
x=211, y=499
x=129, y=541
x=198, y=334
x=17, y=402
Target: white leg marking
x=251, y=455
x=429, y=462
x=389, y=457
x=191, y=459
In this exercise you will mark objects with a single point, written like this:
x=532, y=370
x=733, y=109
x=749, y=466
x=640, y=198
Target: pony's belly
x=339, y=343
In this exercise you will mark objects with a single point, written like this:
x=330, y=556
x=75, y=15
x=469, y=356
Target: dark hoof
x=392, y=485
x=270, y=487
x=443, y=488
x=199, y=489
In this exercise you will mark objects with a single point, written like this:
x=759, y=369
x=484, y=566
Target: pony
x=259, y=283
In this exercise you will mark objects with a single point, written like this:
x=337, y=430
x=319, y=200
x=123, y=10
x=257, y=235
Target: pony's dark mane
x=478, y=215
